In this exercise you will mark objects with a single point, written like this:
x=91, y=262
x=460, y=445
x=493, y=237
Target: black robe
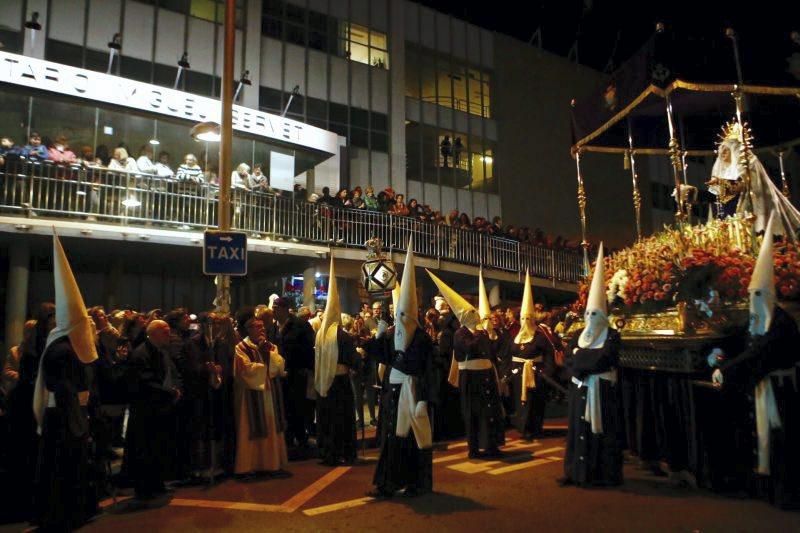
x=295, y=340
x=777, y=349
x=447, y=423
x=528, y=417
x=66, y=487
x=481, y=409
x=593, y=459
x=151, y=425
x=402, y=464
x=336, y=415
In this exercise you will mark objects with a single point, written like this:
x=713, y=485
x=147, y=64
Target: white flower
x=616, y=288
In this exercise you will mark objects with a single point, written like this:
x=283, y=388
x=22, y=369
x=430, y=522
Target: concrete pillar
x=252, y=54
x=34, y=39
x=113, y=283
x=17, y=291
x=309, y=284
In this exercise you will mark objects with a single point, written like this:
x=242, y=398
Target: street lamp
x=183, y=64
x=208, y=131
x=154, y=141
x=243, y=80
x=114, y=47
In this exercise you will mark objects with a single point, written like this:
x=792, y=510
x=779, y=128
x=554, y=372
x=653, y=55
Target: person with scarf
x=258, y=400
x=762, y=379
x=474, y=373
x=66, y=493
x=335, y=356
x=406, y=458
x=531, y=357
x=594, y=450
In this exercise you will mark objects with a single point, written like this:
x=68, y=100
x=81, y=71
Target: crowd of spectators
x=248, y=178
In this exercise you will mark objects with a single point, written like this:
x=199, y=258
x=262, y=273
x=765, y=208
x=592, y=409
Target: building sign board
x=98, y=87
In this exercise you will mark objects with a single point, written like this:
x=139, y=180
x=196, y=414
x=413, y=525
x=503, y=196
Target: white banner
x=98, y=87
x=281, y=171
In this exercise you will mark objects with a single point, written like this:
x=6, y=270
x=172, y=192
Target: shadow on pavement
x=440, y=503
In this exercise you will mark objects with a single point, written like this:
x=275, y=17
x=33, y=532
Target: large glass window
x=214, y=11
x=440, y=79
x=359, y=43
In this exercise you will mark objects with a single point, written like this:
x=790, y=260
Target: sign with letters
x=225, y=252
x=98, y=87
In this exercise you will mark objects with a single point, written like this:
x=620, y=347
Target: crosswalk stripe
x=528, y=464
x=239, y=506
x=338, y=506
x=474, y=467
x=302, y=497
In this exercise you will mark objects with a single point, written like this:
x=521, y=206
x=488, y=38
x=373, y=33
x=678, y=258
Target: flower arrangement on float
x=702, y=265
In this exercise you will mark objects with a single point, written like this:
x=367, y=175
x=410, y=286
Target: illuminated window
x=359, y=43
x=214, y=11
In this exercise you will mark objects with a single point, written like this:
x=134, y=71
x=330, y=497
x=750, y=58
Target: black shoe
x=411, y=492
x=564, y=482
x=328, y=462
x=380, y=494
x=492, y=453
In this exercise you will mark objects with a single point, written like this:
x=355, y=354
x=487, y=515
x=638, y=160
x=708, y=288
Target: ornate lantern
x=378, y=274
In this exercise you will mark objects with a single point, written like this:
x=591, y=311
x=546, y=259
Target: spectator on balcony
x=446, y=149
x=145, y=161
x=121, y=161
x=87, y=157
x=34, y=150
x=458, y=149
x=240, y=178
x=102, y=155
x=162, y=168
x=399, y=208
x=370, y=201
x=342, y=198
x=497, y=227
x=190, y=170
x=326, y=198
x=7, y=149
x=59, y=152
x=257, y=181
x=414, y=209
x=357, y=200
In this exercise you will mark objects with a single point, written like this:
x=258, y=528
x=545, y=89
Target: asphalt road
x=516, y=493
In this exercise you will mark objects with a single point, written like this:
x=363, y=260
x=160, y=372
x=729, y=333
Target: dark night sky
x=608, y=29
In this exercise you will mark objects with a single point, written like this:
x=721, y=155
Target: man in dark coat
x=155, y=387
x=295, y=340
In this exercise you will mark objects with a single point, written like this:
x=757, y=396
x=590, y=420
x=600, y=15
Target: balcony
x=87, y=196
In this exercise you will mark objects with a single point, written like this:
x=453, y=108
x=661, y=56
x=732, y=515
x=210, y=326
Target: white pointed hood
x=326, y=347
x=762, y=285
x=596, y=315
x=406, y=307
x=484, y=308
x=527, y=323
x=395, y=296
x=72, y=320
x=464, y=311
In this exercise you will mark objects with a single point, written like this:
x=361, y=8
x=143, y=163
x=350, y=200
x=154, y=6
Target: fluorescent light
x=155, y=141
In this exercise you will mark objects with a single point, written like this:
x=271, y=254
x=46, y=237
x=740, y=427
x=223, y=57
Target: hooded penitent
x=527, y=322
x=72, y=321
x=762, y=286
x=462, y=309
x=406, y=308
x=327, y=343
x=596, y=315
x=484, y=309
x=395, y=296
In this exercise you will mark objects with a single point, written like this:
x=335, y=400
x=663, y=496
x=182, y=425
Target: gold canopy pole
x=582, y=209
x=744, y=154
x=784, y=182
x=637, y=197
x=677, y=165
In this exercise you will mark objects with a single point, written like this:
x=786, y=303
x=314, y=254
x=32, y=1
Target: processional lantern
x=378, y=274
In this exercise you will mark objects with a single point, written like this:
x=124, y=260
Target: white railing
x=44, y=189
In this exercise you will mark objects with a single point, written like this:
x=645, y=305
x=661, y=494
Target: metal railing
x=44, y=189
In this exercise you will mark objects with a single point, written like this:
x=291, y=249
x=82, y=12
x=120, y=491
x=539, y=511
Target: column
x=17, y=287
x=309, y=285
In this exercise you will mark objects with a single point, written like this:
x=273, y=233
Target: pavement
x=517, y=492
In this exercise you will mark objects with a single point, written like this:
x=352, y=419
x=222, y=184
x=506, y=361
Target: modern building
x=347, y=93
